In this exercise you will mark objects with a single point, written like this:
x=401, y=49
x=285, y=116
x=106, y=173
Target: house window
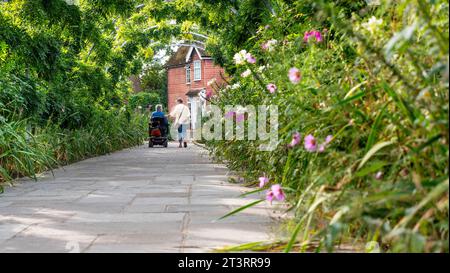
x=188, y=73
x=197, y=70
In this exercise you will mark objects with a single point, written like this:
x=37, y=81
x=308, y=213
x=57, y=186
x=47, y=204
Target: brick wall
x=177, y=86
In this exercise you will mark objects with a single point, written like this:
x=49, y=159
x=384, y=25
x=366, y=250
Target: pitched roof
x=194, y=92
x=179, y=58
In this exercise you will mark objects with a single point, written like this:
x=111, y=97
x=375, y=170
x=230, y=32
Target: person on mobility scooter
x=158, y=128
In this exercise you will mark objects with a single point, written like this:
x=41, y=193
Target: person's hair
x=159, y=107
x=180, y=100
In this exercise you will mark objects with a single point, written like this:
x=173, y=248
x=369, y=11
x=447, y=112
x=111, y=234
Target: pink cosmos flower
x=269, y=196
x=310, y=143
x=313, y=34
x=318, y=36
x=209, y=94
x=250, y=59
x=263, y=181
x=269, y=45
x=272, y=88
x=230, y=114
x=240, y=118
x=295, y=140
x=321, y=148
x=294, y=75
x=278, y=192
x=306, y=36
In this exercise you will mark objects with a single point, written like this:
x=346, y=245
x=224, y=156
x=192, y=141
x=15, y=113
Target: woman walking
x=182, y=116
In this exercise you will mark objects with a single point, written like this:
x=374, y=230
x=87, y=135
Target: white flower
x=373, y=24
x=246, y=73
x=270, y=45
x=240, y=57
x=236, y=86
x=212, y=81
x=261, y=68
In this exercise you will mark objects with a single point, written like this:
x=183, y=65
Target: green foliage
x=154, y=80
x=26, y=153
x=142, y=100
x=378, y=83
x=63, y=76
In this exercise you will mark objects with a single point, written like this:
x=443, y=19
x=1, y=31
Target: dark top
x=158, y=114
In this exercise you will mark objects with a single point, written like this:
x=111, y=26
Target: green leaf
x=241, y=209
x=293, y=237
x=356, y=87
x=400, y=102
x=373, y=151
x=371, y=168
x=242, y=247
x=374, y=130
x=251, y=192
x=352, y=98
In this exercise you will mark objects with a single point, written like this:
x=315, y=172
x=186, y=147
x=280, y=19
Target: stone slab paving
x=135, y=200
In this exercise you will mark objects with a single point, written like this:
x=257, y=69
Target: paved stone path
x=135, y=200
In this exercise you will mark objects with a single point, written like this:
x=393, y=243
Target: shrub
x=144, y=99
x=376, y=82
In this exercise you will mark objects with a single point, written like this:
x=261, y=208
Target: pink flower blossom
x=269, y=45
x=269, y=196
x=313, y=34
x=310, y=143
x=278, y=192
x=322, y=148
x=240, y=118
x=318, y=36
x=272, y=88
x=250, y=59
x=295, y=140
x=263, y=181
x=264, y=46
x=294, y=75
x=230, y=114
x=209, y=94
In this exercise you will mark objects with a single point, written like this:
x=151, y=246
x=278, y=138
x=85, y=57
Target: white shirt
x=181, y=114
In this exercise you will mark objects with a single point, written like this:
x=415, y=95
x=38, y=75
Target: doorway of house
x=193, y=105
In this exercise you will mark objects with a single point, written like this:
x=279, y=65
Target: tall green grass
x=23, y=153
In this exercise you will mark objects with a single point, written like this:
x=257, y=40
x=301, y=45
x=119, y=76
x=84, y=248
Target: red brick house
x=188, y=72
